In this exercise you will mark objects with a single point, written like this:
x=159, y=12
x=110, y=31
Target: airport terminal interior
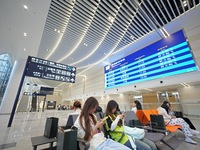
x=56, y=52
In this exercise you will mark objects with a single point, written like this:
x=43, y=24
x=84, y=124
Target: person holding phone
x=115, y=123
x=89, y=128
x=172, y=120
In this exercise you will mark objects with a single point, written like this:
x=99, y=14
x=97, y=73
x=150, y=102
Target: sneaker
x=189, y=140
x=195, y=132
x=197, y=136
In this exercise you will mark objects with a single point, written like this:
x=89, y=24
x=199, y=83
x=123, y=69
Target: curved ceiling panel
x=84, y=32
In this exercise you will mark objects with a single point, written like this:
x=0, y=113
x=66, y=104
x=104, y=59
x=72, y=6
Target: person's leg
x=150, y=143
x=128, y=144
x=185, y=128
x=141, y=145
x=111, y=145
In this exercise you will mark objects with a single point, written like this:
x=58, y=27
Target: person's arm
x=165, y=114
x=114, y=123
x=97, y=127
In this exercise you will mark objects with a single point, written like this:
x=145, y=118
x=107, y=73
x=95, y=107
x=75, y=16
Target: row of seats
x=156, y=121
x=147, y=119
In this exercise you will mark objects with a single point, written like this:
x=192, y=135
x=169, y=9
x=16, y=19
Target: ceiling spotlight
x=25, y=34
x=184, y=3
x=24, y=49
x=111, y=19
x=132, y=37
x=25, y=7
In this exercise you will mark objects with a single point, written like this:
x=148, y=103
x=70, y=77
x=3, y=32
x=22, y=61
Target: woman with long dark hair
x=89, y=128
x=172, y=120
x=115, y=123
x=136, y=106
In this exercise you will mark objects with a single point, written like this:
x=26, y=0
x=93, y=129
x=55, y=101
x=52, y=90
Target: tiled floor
x=27, y=125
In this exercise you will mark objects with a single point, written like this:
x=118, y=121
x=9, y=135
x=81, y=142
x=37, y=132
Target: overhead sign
x=167, y=57
x=40, y=68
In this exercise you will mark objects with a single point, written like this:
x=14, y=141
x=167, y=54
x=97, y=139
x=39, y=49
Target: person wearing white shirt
x=89, y=128
x=76, y=108
x=136, y=106
x=172, y=120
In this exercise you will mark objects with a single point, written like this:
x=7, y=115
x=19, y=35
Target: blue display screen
x=167, y=57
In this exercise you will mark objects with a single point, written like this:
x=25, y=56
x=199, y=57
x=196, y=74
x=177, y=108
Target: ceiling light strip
x=59, y=38
x=81, y=39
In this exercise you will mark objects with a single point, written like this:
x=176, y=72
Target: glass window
x=5, y=71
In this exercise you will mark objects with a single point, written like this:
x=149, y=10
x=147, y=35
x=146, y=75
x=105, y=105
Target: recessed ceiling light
x=25, y=7
x=25, y=34
x=24, y=49
x=111, y=19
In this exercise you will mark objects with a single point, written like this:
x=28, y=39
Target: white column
x=12, y=87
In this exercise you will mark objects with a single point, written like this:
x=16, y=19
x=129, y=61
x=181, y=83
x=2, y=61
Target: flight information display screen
x=40, y=68
x=167, y=57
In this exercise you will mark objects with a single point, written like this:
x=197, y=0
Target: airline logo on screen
x=166, y=57
x=50, y=70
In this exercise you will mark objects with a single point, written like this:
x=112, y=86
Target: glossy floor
x=30, y=124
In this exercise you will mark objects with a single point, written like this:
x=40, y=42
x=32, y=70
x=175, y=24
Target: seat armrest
x=85, y=143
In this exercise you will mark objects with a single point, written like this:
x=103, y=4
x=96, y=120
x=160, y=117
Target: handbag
x=136, y=133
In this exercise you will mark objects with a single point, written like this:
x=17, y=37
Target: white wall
x=121, y=99
x=190, y=99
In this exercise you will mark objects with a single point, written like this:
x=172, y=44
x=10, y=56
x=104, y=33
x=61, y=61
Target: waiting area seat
x=41, y=140
x=147, y=118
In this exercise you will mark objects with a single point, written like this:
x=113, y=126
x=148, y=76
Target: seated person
x=89, y=128
x=136, y=106
x=115, y=123
x=76, y=108
x=172, y=120
x=170, y=111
